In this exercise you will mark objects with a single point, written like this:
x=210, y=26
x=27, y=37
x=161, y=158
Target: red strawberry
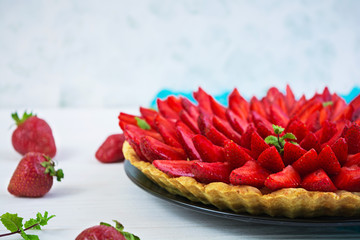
x=348, y=179
x=307, y=163
x=206, y=172
x=207, y=129
x=149, y=116
x=340, y=148
x=328, y=161
x=289, y=99
x=353, y=159
x=236, y=122
x=310, y=141
x=278, y=116
x=203, y=99
x=207, y=150
x=352, y=138
x=110, y=150
x=246, y=137
x=235, y=155
x=185, y=136
x=287, y=178
x=292, y=152
x=167, y=130
x=257, y=106
x=32, y=134
x=106, y=231
x=238, y=104
x=175, y=168
x=251, y=173
x=327, y=131
x=217, y=108
x=270, y=159
x=189, y=107
x=127, y=119
x=258, y=145
x=174, y=103
x=153, y=149
x=165, y=110
x=33, y=176
x=189, y=121
x=297, y=128
x=318, y=181
x=225, y=128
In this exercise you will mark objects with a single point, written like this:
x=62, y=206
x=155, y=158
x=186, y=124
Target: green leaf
x=329, y=103
x=25, y=116
x=142, y=123
x=278, y=129
x=130, y=236
x=271, y=140
x=32, y=222
x=12, y=222
x=288, y=136
x=105, y=224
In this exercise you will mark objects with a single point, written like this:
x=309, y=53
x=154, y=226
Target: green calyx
x=24, y=117
x=278, y=141
x=142, y=123
x=49, y=169
x=120, y=228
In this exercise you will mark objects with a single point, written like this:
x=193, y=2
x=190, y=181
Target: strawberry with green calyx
x=15, y=225
x=106, y=231
x=33, y=176
x=277, y=141
x=32, y=134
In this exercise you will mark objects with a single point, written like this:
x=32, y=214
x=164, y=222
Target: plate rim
x=138, y=178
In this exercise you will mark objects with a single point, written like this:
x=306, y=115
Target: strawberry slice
x=175, y=168
x=246, y=137
x=307, y=163
x=328, y=130
x=149, y=116
x=185, y=138
x=236, y=122
x=328, y=161
x=207, y=150
x=287, y=178
x=203, y=100
x=353, y=159
x=218, y=109
x=165, y=110
x=318, y=181
x=352, y=138
x=289, y=98
x=263, y=126
x=174, y=103
x=236, y=155
x=189, y=107
x=167, y=131
x=207, y=129
x=311, y=141
x=278, y=116
x=270, y=159
x=257, y=106
x=128, y=118
x=225, y=128
x=211, y=172
x=340, y=148
x=251, y=173
x=292, y=152
x=189, y=121
x=153, y=149
x=238, y=104
x=348, y=179
x=258, y=145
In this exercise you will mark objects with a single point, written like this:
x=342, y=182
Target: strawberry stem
x=49, y=169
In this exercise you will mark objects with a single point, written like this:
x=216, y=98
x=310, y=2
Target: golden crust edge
x=288, y=202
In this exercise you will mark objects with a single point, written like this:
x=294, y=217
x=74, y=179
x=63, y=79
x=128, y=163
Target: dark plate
x=143, y=182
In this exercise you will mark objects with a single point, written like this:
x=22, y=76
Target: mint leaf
x=278, y=129
x=11, y=221
x=31, y=222
x=329, y=103
x=288, y=136
x=142, y=123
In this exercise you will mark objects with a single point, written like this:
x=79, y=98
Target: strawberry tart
x=278, y=155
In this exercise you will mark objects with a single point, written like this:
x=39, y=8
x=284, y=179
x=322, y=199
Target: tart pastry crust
x=287, y=202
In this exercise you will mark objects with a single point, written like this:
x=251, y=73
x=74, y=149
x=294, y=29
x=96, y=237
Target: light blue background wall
x=121, y=53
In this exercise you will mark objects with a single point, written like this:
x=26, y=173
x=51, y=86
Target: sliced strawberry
x=328, y=161
x=246, y=137
x=185, y=137
x=175, y=168
x=352, y=138
x=236, y=122
x=348, y=179
x=203, y=100
x=307, y=163
x=353, y=159
x=327, y=131
x=207, y=129
x=174, y=103
x=217, y=108
x=211, y=172
x=292, y=152
x=189, y=121
x=251, y=173
x=238, y=104
x=270, y=159
x=149, y=115
x=258, y=145
x=139, y=132
x=289, y=98
x=189, y=107
x=257, y=106
x=167, y=131
x=225, y=128
x=207, y=150
x=153, y=149
x=263, y=126
x=278, y=116
x=128, y=118
x=165, y=110
x=311, y=141
x=318, y=181
x=287, y=178
x=340, y=148
x=236, y=155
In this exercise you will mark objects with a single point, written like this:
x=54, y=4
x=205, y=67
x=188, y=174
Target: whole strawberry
x=33, y=176
x=32, y=134
x=110, y=150
x=105, y=231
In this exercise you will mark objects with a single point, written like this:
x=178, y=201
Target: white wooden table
x=92, y=192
